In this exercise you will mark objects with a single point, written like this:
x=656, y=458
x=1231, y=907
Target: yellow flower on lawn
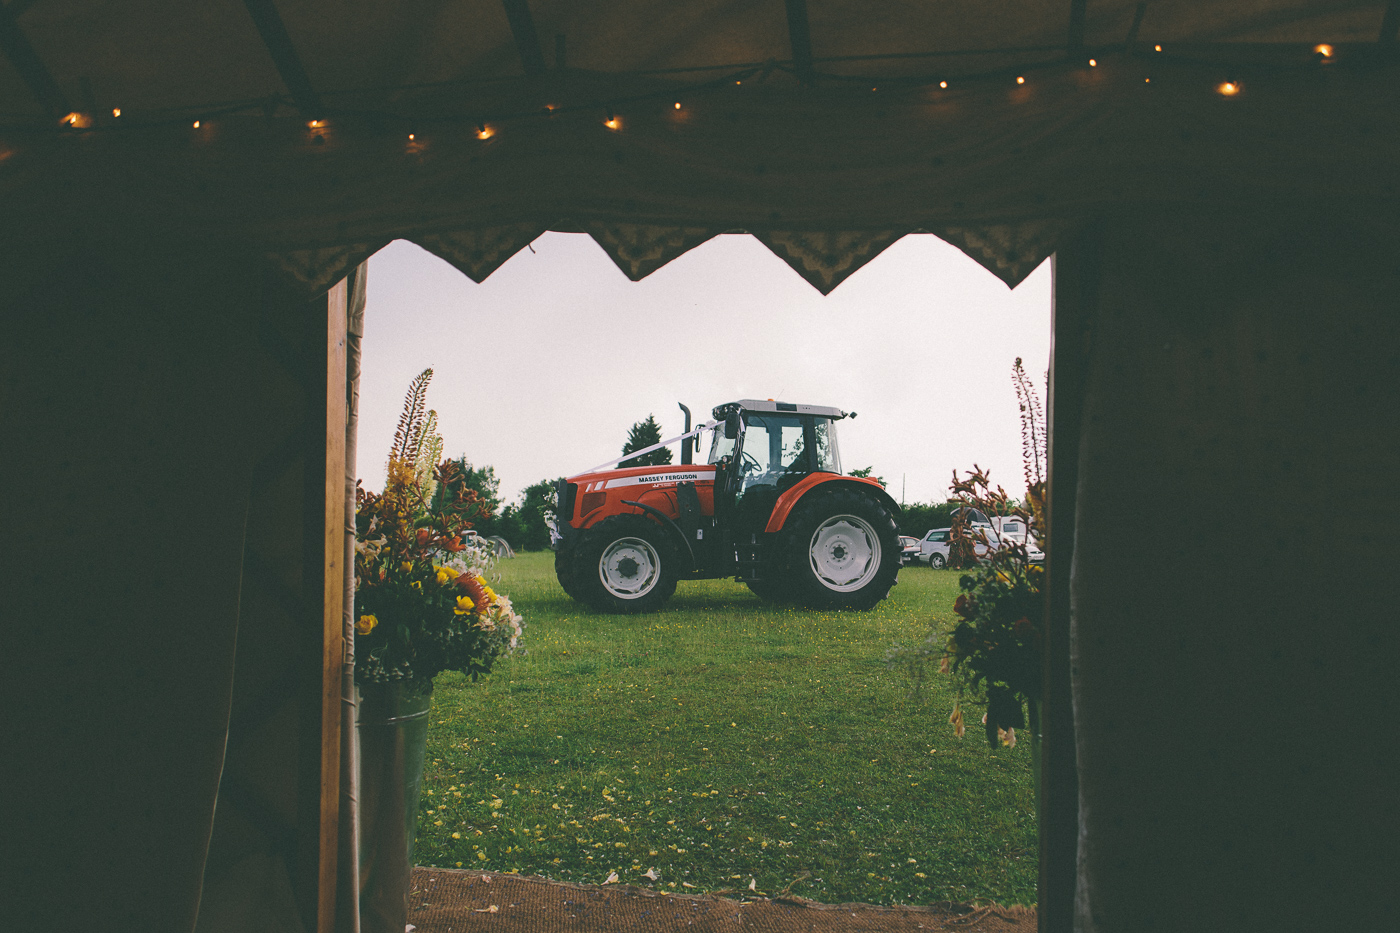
x=366, y=624
x=464, y=606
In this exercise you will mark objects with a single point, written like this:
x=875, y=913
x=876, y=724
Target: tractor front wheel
x=840, y=550
x=565, y=570
x=624, y=564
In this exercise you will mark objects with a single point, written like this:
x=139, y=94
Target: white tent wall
x=1231, y=656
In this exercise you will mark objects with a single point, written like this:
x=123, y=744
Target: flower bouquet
x=420, y=574
x=996, y=647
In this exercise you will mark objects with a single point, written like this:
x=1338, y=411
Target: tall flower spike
x=409, y=432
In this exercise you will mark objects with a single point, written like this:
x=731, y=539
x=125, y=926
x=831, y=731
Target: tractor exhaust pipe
x=687, y=443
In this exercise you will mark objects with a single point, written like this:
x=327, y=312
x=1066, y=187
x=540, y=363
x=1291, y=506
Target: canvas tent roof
x=842, y=118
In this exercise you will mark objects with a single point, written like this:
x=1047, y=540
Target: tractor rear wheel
x=840, y=550
x=625, y=564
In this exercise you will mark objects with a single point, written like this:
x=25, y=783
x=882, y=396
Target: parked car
x=911, y=550
x=933, y=549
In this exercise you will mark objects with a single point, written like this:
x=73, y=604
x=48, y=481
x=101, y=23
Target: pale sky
x=541, y=370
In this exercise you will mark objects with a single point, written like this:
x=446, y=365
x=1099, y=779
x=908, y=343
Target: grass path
x=721, y=742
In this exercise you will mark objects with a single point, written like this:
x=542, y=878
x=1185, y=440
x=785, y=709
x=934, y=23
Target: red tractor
x=769, y=508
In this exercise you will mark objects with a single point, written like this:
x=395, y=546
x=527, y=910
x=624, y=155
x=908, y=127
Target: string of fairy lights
x=414, y=130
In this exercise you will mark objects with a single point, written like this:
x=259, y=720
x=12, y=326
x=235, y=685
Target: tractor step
x=749, y=562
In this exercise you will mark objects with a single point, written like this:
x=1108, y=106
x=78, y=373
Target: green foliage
x=865, y=473
x=918, y=518
x=724, y=736
x=644, y=434
x=535, y=501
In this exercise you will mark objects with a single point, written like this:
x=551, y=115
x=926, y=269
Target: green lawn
x=724, y=741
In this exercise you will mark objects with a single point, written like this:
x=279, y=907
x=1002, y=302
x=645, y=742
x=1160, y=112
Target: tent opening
x=816, y=773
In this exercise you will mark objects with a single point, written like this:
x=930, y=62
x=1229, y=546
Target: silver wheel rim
x=845, y=553
x=629, y=568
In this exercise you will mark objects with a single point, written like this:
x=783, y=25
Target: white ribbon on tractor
x=646, y=450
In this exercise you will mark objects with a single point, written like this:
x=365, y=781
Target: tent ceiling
x=171, y=55
x=213, y=138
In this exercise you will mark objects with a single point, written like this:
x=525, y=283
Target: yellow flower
x=445, y=575
x=490, y=594
x=406, y=566
x=464, y=606
x=366, y=624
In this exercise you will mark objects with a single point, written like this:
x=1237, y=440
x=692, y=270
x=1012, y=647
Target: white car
x=933, y=549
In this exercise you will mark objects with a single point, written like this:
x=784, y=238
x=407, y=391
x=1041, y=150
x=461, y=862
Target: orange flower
x=959, y=727
x=963, y=606
x=475, y=588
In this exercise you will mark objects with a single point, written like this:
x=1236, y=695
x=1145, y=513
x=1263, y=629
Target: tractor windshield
x=778, y=445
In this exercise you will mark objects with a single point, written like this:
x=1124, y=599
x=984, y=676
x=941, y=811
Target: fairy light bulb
x=678, y=105
x=483, y=131
x=943, y=85
x=1324, y=51
x=196, y=124
x=1020, y=79
x=1156, y=48
x=412, y=137
x=1093, y=63
x=116, y=111
x=315, y=124
x=1227, y=88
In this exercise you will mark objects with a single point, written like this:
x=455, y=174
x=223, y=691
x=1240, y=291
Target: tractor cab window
x=779, y=449
x=721, y=447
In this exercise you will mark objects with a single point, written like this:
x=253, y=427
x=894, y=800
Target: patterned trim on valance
x=641, y=249
x=1008, y=251
x=824, y=258
x=316, y=270
x=478, y=253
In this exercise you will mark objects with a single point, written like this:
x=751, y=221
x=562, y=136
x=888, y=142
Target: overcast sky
x=541, y=370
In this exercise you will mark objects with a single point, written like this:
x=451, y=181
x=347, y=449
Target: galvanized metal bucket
x=392, y=725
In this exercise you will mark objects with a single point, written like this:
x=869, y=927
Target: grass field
x=725, y=745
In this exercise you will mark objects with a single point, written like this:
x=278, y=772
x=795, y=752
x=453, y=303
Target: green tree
x=487, y=486
x=867, y=473
x=644, y=434
x=918, y=517
x=528, y=516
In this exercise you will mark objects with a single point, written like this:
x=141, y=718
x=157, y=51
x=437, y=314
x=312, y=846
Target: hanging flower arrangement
x=422, y=599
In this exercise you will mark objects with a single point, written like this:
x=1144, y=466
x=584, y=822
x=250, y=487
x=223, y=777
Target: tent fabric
x=822, y=176
x=1232, y=653
x=164, y=59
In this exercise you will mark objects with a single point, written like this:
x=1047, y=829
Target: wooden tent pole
x=332, y=604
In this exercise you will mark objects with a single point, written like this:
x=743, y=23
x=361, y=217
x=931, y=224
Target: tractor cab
x=763, y=448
